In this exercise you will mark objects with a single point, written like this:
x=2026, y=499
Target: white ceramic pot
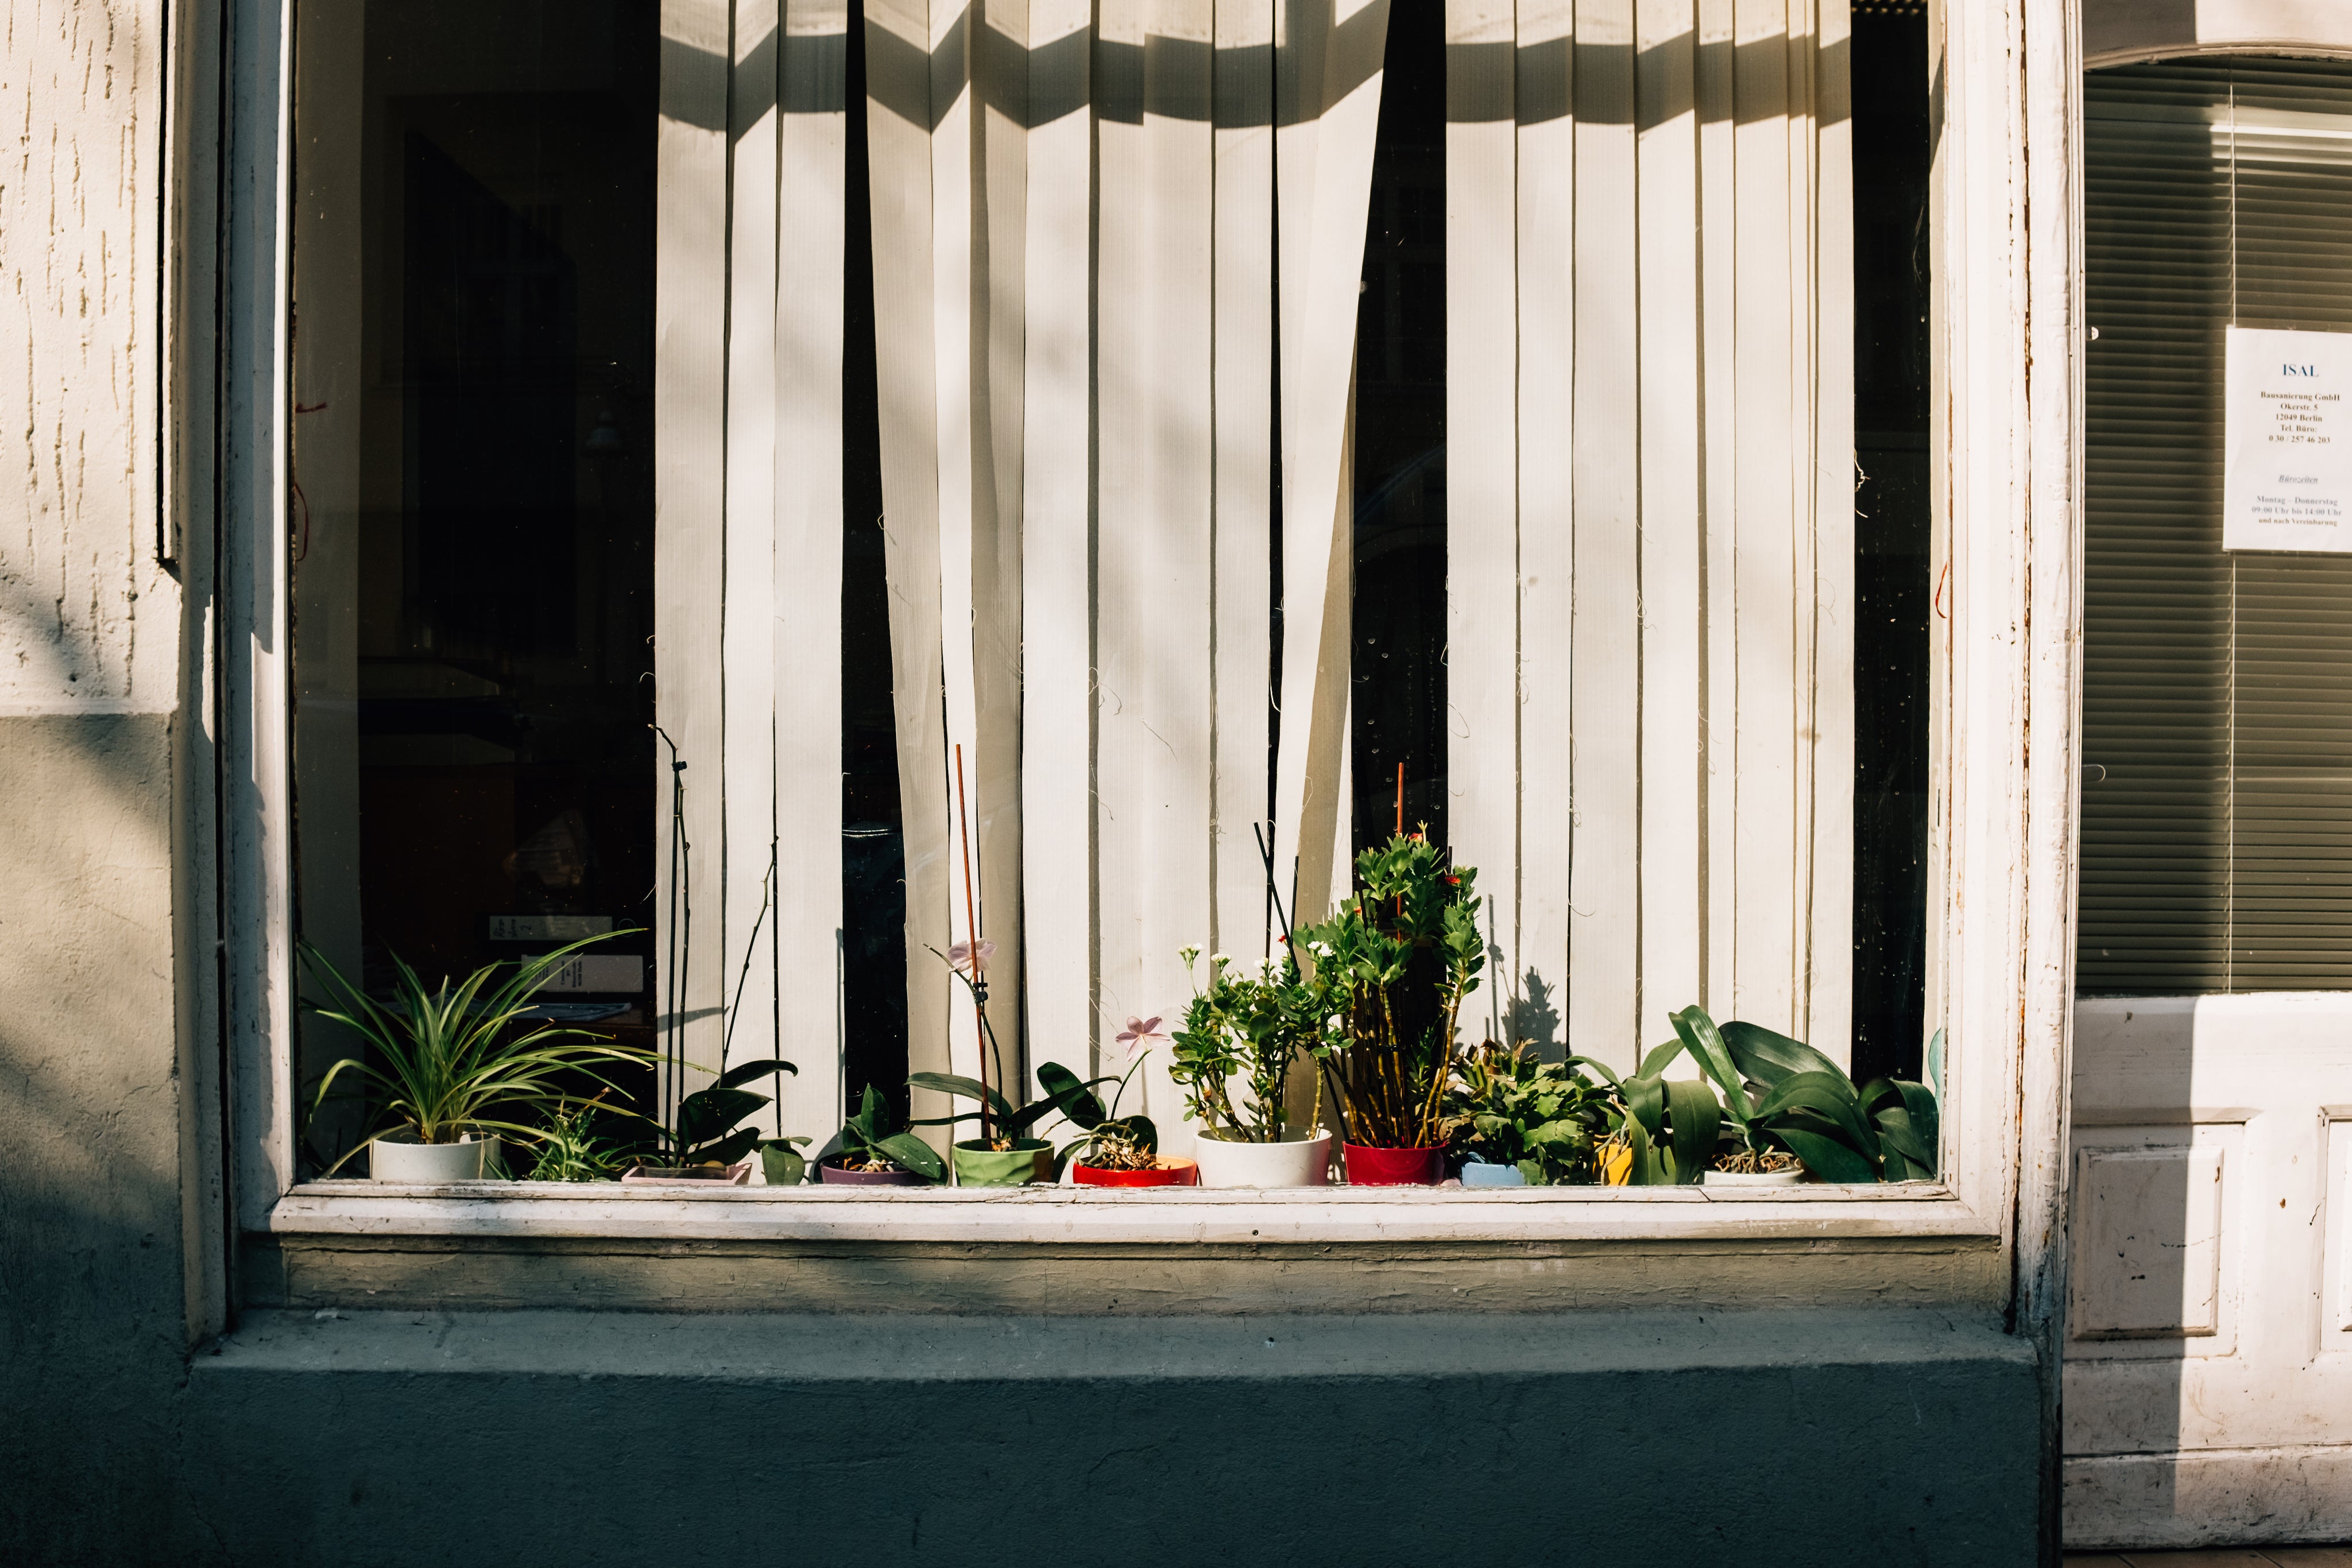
x=390, y=1161
x=1752, y=1178
x=1300, y=1162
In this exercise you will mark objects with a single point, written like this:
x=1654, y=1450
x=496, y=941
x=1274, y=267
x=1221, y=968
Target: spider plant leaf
x=910, y=1153
x=1826, y=1157
x=956, y=1084
x=1767, y=1056
x=1697, y=1119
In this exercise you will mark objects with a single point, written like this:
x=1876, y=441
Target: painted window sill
x=1073, y=1215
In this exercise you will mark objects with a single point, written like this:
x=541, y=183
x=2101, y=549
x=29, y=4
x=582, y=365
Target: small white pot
x=1752, y=1178
x=1300, y=1162
x=427, y=1163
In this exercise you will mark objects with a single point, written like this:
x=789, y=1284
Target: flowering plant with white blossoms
x=1242, y=1032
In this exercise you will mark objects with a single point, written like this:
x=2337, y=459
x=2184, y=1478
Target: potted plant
x=705, y=1143
x=457, y=1066
x=1786, y=1111
x=1393, y=966
x=571, y=1147
x=1005, y=1153
x=1113, y=1150
x=1247, y=1028
x=875, y=1154
x=1512, y=1120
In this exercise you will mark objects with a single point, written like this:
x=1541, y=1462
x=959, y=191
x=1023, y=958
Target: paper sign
x=2287, y=474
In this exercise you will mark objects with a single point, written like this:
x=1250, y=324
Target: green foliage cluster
x=1393, y=966
x=1775, y=1093
x=463, y=1059
x=1250, y=1023
x=871, y=1137
x=1546, y=1118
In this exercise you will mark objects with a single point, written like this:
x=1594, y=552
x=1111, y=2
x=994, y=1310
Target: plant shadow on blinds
x=873, y=843
x=2216, y=712
x=1398, y=711
x=1892, y=592
x=472, y=497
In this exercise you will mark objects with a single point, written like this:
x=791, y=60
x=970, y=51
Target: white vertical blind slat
x=805, y=631
x=1482, y=453
x=747, y=936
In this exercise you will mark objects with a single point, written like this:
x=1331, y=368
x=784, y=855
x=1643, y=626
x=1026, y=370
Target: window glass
x=472, y=493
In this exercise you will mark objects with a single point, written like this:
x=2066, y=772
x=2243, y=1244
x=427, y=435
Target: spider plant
x=463, y=1059
x=571, y=1149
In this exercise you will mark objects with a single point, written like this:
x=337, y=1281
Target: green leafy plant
x=1777, y=1094
x=1251, y=1024
x=870, y=1141
x=1509, y=1108
x=571, y=1148
x=1393, y=966
x=463, y=1059
x=709, y=1127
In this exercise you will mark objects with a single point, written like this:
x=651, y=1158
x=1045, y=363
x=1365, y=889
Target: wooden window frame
x=2006, y=451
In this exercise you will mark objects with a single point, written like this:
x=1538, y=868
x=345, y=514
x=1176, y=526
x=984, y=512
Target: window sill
x=1309, y=1216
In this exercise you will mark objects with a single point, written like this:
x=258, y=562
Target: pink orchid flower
x=1141, y=1034
x=959, y=957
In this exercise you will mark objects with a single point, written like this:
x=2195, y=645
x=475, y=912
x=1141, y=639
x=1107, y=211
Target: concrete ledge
x=1813, y=1437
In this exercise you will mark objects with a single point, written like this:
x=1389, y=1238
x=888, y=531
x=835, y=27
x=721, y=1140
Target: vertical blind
x=2216, y=714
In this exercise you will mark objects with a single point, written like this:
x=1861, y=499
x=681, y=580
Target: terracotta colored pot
x=738, y=1174
x=1369, y=1167
x=832, y=1175
x=1174, y=1173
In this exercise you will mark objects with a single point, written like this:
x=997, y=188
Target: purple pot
x=833, y=1175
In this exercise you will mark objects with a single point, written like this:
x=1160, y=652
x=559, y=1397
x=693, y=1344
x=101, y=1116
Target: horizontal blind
x=2217, y=823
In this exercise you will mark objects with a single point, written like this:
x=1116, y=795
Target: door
x=2208, y=1382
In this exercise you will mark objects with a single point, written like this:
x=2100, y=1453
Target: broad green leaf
x=736, y=1077
x=707, y=1113
x=1697, y=1119
x=726, y=1151
x=1899, y=1138
x=1707, y=1047
x=1661, y=1057
x=912, y=1154
x=1826, y=1157
x=1066, y=1094
x=968, y=1088
x=1829, y=1096
x=1768, y=1057
x=1927, y=1118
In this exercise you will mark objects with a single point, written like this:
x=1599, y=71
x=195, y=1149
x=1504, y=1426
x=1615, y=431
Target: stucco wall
x=91, y=1306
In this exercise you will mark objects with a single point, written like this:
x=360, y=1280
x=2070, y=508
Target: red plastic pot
x=1369, y=1167
x=1175, y=1173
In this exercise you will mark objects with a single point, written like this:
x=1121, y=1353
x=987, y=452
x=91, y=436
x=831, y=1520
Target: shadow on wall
x=92, y=1316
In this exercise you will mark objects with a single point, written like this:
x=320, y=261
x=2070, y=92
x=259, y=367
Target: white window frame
x=2006, y=442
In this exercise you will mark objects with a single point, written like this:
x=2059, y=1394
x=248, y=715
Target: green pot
x=1029, y=1160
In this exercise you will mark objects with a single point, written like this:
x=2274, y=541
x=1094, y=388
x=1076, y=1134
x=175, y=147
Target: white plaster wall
x=88, y=621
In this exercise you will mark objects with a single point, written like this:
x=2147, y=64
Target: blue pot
x=1479, y=1173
